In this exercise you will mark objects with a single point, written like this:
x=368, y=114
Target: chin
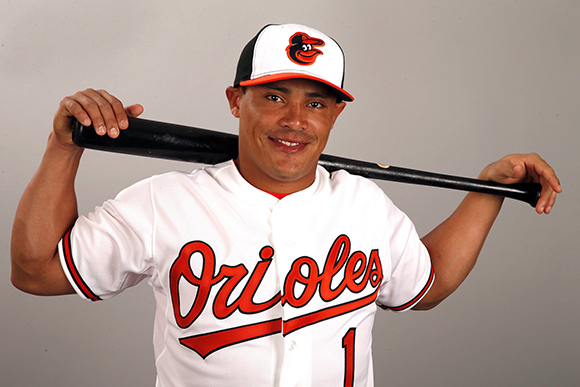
x=289, y=175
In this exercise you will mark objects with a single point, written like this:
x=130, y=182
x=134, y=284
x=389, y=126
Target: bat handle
x=526, y=192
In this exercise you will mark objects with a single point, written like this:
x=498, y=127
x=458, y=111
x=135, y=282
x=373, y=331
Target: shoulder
x=344, y=181
x=198, y=175
x=360, y=192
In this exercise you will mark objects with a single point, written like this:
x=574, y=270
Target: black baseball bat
x=186, y=143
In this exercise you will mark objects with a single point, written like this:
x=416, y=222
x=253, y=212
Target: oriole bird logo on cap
x=301, y=49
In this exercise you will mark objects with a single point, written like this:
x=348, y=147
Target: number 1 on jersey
x=348, y=345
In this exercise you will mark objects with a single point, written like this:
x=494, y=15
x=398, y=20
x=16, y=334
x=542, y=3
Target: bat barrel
x=162, y=140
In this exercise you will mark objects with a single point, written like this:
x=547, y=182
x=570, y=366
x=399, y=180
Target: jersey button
x=290, y=242
x=292, y=346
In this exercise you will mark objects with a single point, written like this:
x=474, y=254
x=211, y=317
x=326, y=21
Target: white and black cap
x=290, y=51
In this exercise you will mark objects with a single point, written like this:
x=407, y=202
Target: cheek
x=322, y=142
x=324, y=133
x=251, y=136
x=253, y=120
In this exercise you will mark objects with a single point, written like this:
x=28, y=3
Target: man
x=266, y=270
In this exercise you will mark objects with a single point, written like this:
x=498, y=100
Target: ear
x=234, y=96
x=338, y=109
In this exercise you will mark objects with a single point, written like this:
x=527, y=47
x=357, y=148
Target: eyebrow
x=310, y=94
x=271, y=86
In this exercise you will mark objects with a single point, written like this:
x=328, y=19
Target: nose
x=294, y=117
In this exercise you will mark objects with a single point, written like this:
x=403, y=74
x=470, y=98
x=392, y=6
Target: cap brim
x=341, y=93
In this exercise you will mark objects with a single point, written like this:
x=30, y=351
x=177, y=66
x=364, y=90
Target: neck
x=277, y=186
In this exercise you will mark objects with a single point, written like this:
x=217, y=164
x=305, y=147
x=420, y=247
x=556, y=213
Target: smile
x=288, y=143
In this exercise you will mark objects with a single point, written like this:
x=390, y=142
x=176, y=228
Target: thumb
x=518, y=172
x=134, y=110
x=507, y=170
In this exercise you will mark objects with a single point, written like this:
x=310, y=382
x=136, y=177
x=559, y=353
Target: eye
x=274, y=98
x=316, y=105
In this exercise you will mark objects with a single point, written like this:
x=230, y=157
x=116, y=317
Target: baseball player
x=267, y=270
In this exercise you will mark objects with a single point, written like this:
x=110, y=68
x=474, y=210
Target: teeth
x=289, y=143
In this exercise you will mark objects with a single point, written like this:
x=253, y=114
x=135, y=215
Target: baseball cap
x=289, y=51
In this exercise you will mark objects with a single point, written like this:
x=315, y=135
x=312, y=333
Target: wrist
x=485, y=201
x=62, y=155
x=484, y=175
x=55, y=142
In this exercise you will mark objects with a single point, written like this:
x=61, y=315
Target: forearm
x=48, y=208
x=455, y=244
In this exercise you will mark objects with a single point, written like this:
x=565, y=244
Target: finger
x=551, y=187
x=547, y=197
x=134, y=110
x=555, y=183
x=539, y=169
x=104, y=110
x=68, y=108
x=94, y=106
x=551, y=203
x=547, y=203
x=113, y=113
x=62, y=123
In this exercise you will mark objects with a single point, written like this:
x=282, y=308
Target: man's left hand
x=519, y=168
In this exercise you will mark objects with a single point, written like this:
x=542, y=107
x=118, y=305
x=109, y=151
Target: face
x=284, y=127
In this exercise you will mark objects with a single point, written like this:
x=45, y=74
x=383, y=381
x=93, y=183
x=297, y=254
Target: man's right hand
x=48, y=207
x=92, y=107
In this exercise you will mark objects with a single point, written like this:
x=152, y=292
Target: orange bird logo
x=302, y=49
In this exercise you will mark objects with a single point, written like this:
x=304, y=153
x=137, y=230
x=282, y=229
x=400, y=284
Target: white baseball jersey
x=252, y=290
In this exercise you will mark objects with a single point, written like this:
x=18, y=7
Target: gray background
x=446, y=86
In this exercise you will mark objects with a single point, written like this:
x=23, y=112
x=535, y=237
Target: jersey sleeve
x=411, y=273
x=110, y=249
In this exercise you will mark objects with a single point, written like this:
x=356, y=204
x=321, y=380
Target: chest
x=233, y=261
